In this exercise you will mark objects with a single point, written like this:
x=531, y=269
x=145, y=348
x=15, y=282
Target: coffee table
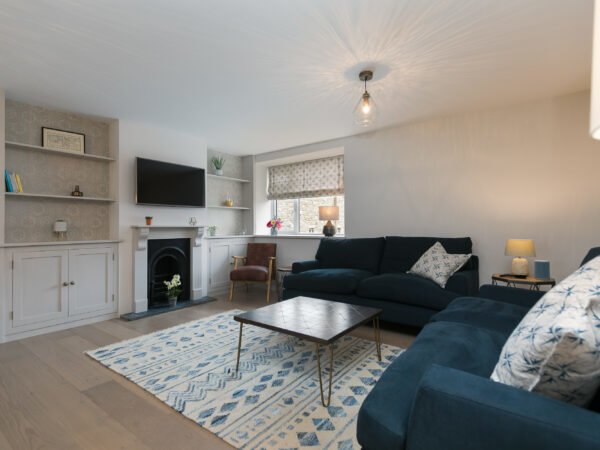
x=320, y=321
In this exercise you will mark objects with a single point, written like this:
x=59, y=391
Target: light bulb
x=364, y=113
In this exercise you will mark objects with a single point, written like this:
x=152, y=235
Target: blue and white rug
x=274, y=400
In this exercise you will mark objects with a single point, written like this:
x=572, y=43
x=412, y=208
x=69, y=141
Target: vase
x=219, y=172
x=273, y=231
x=172, y=300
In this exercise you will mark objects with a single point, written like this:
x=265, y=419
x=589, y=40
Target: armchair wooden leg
x=231, y=284
x=268, y=290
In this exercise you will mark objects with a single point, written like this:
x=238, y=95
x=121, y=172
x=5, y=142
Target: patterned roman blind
x=315, y=178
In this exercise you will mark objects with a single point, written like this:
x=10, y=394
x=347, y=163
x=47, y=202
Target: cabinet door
x=91, y=280
x=219, y=265
x=38, y=291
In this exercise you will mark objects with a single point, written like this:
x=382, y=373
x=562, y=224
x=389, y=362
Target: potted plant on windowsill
x=218, y=163
x=173, y=289
x=275, y=225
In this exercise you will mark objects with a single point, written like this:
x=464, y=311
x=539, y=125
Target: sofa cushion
x=438, y=265
x=401, y=253
x=336, y=281
x=383, y=417
x=406, y=288
x=482, y=313
x=555, y=349
x=363, y=254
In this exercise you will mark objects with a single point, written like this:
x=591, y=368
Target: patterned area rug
x=273, y=402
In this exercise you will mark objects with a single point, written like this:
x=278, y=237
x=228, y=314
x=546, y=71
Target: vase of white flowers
x=173, y=289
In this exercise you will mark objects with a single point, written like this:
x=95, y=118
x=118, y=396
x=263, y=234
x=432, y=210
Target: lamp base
x=329, y=229
x=520, y=267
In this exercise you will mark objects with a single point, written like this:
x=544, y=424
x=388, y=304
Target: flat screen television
x=163, y=183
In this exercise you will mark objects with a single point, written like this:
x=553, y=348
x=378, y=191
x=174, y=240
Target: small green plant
x=212, y=230
x=218, y=162
x=173, y=289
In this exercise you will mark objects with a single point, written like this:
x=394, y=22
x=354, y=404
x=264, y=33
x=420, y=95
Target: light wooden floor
x=52, y=396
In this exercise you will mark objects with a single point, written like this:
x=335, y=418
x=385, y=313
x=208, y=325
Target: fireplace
x=167, y=257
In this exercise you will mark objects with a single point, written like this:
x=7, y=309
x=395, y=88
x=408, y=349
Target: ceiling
x=260, y=75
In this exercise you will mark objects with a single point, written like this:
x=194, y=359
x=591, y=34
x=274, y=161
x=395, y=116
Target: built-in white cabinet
x=91, y=280
x=220, y=261
x=40, y=286
x=59, y=285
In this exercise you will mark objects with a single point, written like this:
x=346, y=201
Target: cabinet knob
x=65, y=283
x=72, y=283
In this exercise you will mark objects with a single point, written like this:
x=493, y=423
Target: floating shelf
x=221, y=177
x=38, y=148
x=58, y=197
x=229, y=207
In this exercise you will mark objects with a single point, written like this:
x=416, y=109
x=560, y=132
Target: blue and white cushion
x=555, y=350
x=437, y=265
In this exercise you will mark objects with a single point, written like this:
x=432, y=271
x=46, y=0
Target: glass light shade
x=329, y=212
x=365, y=110
x=519, y=247
x=595, y=100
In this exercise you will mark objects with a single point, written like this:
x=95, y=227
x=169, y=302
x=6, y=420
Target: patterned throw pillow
x=437, y=265
x=555, y=350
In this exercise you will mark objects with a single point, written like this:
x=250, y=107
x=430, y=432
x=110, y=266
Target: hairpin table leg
x=330, y=373
x=237, y=364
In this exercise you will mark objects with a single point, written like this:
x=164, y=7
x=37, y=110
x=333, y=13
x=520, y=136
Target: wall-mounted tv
x=163, y=183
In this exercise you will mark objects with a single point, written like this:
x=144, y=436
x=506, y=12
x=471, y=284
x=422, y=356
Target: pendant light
x=364, y=113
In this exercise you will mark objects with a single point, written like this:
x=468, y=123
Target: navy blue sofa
x=372, y=272
x=438, y=395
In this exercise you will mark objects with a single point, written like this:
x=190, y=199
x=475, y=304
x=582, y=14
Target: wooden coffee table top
x=320, y=321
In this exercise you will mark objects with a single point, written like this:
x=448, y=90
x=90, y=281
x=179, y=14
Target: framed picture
x=63, y=140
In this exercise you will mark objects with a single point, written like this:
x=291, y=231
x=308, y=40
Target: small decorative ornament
x=60, y=229
x=275, y=225
x=76, y=192
x=173, y=289
x=193, y=221
x=228, y=201
x=149, y=220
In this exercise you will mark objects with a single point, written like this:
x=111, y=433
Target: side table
x=533, y=282
x=282, y=272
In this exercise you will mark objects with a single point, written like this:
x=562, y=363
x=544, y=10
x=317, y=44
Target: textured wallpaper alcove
x=31, y=219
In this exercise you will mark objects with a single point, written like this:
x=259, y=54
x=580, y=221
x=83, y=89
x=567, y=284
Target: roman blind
x=315, y=178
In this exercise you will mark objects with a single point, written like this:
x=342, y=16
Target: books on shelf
x=13, y=182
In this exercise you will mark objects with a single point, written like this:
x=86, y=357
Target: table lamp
x=520, y=249
x=329, y=213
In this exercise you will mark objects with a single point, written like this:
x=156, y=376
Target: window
x=297, y=190
x=301, y=215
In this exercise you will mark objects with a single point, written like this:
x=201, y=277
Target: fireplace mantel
x=141, y=235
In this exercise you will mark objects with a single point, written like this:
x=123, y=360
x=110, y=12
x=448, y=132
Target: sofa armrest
x=514, y=296
x=303, y=266
x=455, y=410
x=465, y=282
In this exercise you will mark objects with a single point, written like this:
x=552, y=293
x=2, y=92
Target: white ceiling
x=258, y=75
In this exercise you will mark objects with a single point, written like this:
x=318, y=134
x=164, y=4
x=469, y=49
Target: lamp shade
x=519, y=247
x=329, y=212
x=595, y=100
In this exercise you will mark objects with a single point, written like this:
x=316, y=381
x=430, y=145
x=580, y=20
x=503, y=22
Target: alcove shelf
x=224, y=178
x=58, y=197
x=38, y=148
x=244, y=208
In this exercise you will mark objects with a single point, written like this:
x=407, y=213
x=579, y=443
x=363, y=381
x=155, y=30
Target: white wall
x=528, y=171
x=136, y=139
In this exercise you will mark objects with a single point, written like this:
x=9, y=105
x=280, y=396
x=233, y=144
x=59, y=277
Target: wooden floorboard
x=53, y=396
